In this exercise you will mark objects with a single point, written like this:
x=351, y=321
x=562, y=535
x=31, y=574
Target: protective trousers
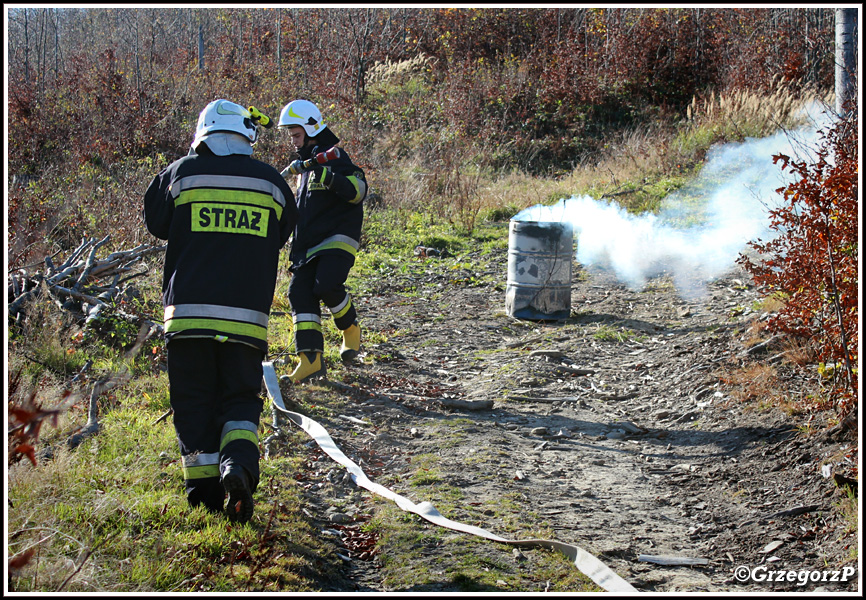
x=320, y=280
x=214, y=389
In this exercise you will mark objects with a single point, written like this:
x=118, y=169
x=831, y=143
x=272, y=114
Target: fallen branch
x=793, y=512
x=164, y=416
x=542, y=399
x=672, y=560
x=760, y=346
x=87, y=280
x=81, y=564
x=466, y=404
x=88, y=265
x=99, y=388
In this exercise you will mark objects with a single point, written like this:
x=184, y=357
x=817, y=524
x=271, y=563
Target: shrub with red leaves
x=812, y=263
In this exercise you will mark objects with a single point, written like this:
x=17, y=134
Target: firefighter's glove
x=324, y=175
x=296, y=167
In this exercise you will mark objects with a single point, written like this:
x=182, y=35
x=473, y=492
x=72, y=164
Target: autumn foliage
x=812, y=264
x=547, y=83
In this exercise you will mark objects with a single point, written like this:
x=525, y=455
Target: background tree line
x=545, y=84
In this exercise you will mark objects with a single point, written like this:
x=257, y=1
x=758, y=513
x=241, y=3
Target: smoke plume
x=700, y=230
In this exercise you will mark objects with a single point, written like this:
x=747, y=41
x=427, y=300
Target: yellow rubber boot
x=310, y=367
x=351, y=342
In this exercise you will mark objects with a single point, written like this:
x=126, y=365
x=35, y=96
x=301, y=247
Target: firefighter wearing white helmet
x=226, y=216
x=302, y=113
x=226, y=128
x=330, y=199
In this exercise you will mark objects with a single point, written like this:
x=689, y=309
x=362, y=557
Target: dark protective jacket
x=329, y=218
x=226, y=219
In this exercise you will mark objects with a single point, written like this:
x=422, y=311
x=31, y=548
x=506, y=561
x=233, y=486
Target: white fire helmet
x=302, y=113
x=225, y=117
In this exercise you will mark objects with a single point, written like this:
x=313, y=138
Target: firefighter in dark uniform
x=330, y=199
x=226, y=217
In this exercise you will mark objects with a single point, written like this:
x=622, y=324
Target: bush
x=812, y=263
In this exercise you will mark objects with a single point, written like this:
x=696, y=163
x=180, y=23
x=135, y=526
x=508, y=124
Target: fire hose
x=588, y=564
x=297, y=167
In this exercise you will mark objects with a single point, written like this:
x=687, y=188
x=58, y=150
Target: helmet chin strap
x=308, y=149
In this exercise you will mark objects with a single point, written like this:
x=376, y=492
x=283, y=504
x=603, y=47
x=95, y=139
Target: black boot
x=237, y=484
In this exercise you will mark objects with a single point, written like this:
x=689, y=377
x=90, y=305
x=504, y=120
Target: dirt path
x=611, y=427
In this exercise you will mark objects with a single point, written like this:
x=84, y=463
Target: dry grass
x=389, y=71
x=757, y=113
x=799, y=352
x=756, y=383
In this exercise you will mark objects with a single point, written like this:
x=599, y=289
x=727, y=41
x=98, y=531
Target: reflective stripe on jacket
x=226, y=219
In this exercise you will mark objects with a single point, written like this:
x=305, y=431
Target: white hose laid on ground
x=588, y=564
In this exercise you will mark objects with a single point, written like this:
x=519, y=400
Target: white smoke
x=701, y=229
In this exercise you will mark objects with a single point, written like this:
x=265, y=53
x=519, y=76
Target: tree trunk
x=279, y=44
x=26, y=48
x=200, y=47
x=846, y=19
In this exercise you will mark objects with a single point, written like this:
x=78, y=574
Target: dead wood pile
x=83, y=282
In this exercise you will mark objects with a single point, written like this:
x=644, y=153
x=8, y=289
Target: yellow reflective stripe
x=332, y=246
x=342, y=309
x=338, y=242
x=201, y=472
x=360, y=188
x=308, y=326
x=230, y=327
x=233, y=182
x=231, y=197
x=239, y=434
x=215, y=311
x=200, y=466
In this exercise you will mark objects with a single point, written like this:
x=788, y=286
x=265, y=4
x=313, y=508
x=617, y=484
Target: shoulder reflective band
x=201, y=466
x=228, y=182
x=339, y=242
x=588, y=564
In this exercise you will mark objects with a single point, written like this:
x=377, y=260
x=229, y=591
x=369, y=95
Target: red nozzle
x=323, y=157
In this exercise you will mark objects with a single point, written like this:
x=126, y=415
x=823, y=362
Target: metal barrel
x=538, y=285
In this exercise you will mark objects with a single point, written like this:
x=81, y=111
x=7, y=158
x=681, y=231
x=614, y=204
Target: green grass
x=111, y=516
x=608, y=333
x=420, y=557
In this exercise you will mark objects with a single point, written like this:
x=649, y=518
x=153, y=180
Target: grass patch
x=416, y=556
x=609, y=333
x=111, y=516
